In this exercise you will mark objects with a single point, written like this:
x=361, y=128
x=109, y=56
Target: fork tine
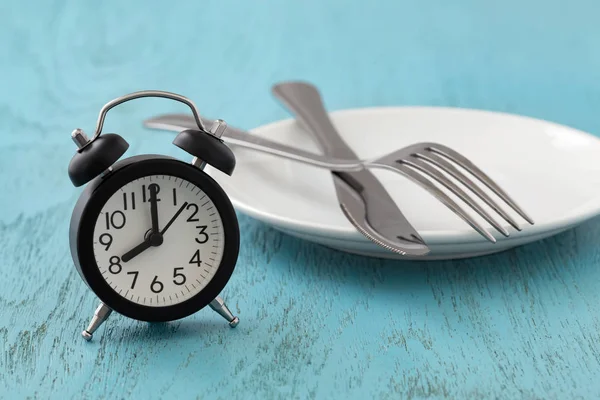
x=446, y=166
x=473, y=169
x=436, y=175
x=440, y=195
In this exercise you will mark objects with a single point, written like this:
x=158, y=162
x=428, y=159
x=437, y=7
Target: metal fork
x=423, y=163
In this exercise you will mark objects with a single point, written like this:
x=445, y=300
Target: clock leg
x=219, y=306
x=101, y=315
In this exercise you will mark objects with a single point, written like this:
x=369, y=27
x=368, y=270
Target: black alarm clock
x=155, y=238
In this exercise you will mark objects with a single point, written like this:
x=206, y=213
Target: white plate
x=552, y=171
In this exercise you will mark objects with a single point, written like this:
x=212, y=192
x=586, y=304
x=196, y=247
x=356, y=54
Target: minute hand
x=183, y=206
x=154, y=206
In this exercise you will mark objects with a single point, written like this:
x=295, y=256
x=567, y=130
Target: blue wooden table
x=316, y=323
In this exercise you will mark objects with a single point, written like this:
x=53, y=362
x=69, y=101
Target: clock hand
x=155, y=238
x=145, y=245
x=153, y=188
x=184, y=205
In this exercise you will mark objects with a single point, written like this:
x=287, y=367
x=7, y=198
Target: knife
x=363, y=199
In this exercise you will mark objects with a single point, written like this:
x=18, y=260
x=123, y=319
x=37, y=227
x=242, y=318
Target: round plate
x=551, y=171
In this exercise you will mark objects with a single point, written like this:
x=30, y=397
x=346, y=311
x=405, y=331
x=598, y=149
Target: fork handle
x=305, y=101
x=270, y=147
x=232, y=135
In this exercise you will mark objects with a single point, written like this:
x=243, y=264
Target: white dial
x=163, y=267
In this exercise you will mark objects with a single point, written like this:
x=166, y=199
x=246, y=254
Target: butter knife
x=361, y=196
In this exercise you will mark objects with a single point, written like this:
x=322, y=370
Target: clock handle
x=137, y=95
x=97, y=154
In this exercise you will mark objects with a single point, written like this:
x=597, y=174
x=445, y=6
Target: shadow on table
x=202, y=328
x=572, y=252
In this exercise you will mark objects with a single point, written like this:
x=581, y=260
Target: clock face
x=166, y=264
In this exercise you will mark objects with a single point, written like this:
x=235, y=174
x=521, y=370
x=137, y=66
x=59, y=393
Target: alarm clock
x=155, y=238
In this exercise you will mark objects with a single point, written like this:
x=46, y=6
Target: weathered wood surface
x=316, y=323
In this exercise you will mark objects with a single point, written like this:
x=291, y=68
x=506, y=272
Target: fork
x=423, y=163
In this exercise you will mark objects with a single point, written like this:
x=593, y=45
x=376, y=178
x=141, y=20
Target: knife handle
x=304, y=100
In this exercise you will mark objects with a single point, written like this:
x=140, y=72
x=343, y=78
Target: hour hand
x=145, y=245
x=155, y=239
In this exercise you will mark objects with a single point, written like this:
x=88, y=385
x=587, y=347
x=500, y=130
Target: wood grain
x=315, y=323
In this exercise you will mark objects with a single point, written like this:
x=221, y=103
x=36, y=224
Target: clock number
x=196, y=258
x=174, y=196
x=135, y=275
x=203, y=235
x=156, y=286
x=146, y=192
x=106, y=240
x=191, y=218
x=177, y=275
x=115, y=265
x=132, y=201
x=116, y=220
